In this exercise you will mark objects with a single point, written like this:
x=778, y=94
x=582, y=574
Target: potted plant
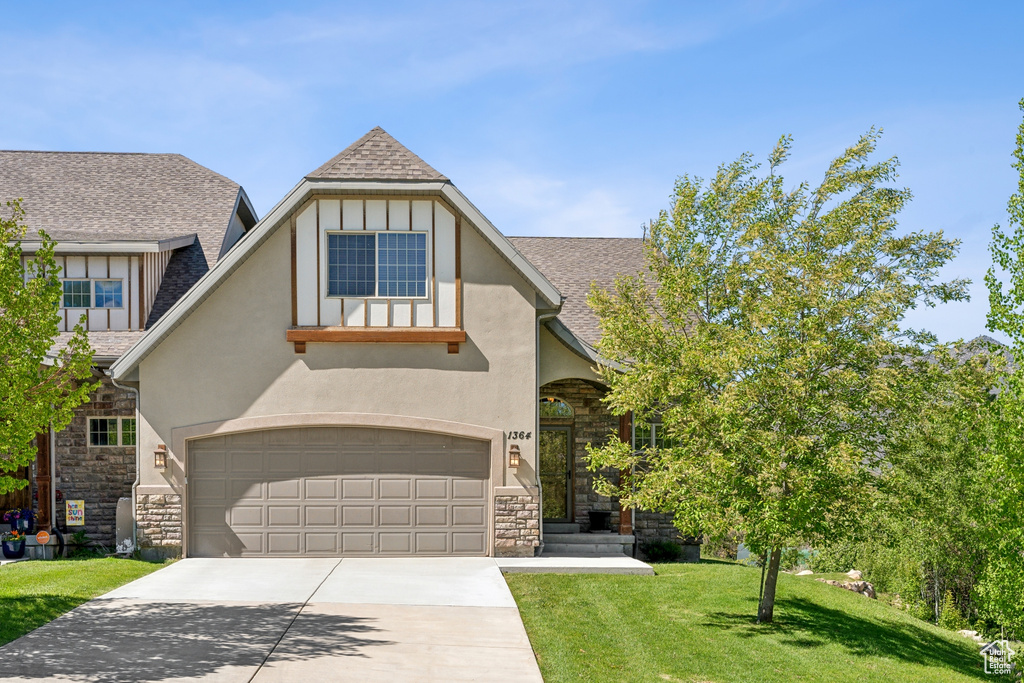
x=13, y=544
x=20, y=519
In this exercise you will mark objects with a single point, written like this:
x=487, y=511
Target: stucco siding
x=229, y=359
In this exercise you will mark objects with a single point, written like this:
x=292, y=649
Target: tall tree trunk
x=766, y=611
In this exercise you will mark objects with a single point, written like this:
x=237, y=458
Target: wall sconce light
x=513, y=456
x=160, y=457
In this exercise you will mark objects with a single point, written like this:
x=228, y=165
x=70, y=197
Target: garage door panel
x=317, y=515
x=321, y=543
x=427, y=489
x=432, y=543
x=395, y=543
x=321, y=489
x=468, y=543
x=357, y=543
x=395, y=489
x=357, y=489
x=284, y=515
x=357, y=515
x=242, y=515
x=333, y=491
x=431, y=515
x=284, y=490
x=356, y=462
x=283, y=543
x=287, y=463
x=467, y=488
x=395, y=515
x=468, y=515
x=246, y=490
x=202, y=490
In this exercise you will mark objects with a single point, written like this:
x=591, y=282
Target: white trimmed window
x=100, y=293
x=377, y=264
x=111, y=431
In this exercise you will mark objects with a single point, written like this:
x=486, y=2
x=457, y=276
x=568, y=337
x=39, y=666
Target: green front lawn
x=33, y=593
x=696, y=623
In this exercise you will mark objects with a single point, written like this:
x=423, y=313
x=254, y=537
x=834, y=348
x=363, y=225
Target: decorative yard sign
x=75, y=512
x=42, y=538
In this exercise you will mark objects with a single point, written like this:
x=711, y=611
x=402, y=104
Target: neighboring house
x=134, y=232
x=374, y=369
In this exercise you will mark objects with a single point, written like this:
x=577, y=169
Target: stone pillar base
x=516, y=523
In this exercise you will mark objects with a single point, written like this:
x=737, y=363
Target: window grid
x=103, y=431
x=377, y=264
x=77, y=294
x=108, y=293
x=128, y=431
x=402, y=264
x=351, y=260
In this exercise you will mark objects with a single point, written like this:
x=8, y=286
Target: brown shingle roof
x=573, y=263
x=104, y=344
x=100, y=196
x=376, y=156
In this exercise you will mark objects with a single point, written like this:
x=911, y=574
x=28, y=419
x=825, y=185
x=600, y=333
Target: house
x=375, y=369
x=134, y=232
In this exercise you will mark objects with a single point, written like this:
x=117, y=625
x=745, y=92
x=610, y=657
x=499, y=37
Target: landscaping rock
x=806, y=572
x=862, y=587
x=973, y=635
x=855, y=575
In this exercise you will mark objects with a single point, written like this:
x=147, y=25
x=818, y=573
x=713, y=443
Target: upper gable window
x=378, y=264
x=94, y=293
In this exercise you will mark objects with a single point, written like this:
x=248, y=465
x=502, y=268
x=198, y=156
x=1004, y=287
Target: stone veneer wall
x=516, y=525
x=159, y=525
x=99, y=475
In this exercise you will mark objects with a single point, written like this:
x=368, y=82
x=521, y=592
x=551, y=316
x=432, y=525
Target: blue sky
x=555, y=118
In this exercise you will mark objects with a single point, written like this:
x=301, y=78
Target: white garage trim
x=181, y=436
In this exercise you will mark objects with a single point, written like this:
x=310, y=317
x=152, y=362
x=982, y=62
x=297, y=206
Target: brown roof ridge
x=60, y=151
x=376, y=156
x=570, y=237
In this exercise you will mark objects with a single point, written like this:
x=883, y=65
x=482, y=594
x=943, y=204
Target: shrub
x=949, y=614
x=662, y=551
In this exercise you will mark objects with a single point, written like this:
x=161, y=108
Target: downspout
x=541, y=319
x=138, y=461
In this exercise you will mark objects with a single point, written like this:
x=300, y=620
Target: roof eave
x=112, y=246
x=581, y=348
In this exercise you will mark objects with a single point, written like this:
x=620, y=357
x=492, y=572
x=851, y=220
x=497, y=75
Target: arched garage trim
x=181, y=436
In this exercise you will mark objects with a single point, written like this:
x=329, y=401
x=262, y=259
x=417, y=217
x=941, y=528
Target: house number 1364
x=513, y=436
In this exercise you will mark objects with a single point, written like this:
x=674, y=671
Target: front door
x=556, y=473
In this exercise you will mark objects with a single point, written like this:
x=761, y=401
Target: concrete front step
x=561, y=528
x=586, y=548
x=588, y=538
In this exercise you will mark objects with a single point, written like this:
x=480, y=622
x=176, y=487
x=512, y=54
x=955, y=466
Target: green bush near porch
x=34, y=593
x=696, y=623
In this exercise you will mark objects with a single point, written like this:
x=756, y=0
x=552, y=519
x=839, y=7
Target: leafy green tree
x=764, y=334
x=1002, y=585
x=35, y=391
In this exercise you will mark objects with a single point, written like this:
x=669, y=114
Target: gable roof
x=375, y=182
x=114, y=197
x=573, y=263
x=376, y=156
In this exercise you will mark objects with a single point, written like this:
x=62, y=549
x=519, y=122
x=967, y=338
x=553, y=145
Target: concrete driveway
x=266, y=620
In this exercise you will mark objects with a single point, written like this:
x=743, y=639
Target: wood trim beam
x=387, y=335
x=625, y=436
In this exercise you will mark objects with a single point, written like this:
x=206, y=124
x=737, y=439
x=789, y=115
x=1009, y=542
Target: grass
x=696, y=623
x=33, y=593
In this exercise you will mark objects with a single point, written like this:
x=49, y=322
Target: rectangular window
x=77, y=294
x=402, y=267
x=128, y=431
x=108, y=293
x=103, y=431
x=350, y=263
x=378, y=264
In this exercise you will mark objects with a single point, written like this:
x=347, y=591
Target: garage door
x=333, y=491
